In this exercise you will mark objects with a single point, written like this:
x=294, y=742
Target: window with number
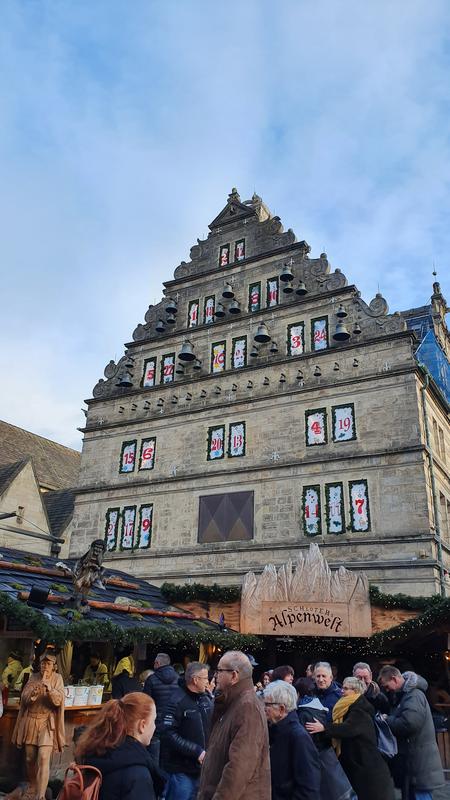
x=272, y=292
x=148, y=453
x=319, y=333
x=343, y=422
x=128, y=528
x=296, y=339
x=311, y=511
x=239, y=250
x=316, y=427
x=226, y=517
x=128, y=456
x=168, y=368
x=193, y=310
x=149, y=374
x=144, y=532
x=239, y=352
x=236, y=440
x=111, y=528
x=254, y=296
x=359, y=506
x=209, y=309
x=216, y=442
x=218, y=356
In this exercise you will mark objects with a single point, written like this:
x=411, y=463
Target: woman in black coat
x=294, y=761
x=354, y=729
x=116, y=743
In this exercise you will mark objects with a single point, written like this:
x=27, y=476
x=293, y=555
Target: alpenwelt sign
x=306, y=619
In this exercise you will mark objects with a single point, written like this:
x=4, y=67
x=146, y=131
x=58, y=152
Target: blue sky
x=124, y=125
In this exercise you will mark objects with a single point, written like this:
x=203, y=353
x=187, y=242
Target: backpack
x=79, y=785
x=386, y=741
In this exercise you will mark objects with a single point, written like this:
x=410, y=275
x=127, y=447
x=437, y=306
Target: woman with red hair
x=116, y=743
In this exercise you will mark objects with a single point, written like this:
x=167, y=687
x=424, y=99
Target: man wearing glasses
x=185, y=733
x=236, y=765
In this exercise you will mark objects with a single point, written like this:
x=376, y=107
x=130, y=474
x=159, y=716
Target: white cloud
x=123, y=128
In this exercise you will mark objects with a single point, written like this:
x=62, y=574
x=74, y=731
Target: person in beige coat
x=236, y=765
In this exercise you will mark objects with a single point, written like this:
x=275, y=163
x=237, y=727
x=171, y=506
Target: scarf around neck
x=339, y=711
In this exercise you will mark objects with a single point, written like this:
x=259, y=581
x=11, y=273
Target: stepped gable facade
x=261, y=404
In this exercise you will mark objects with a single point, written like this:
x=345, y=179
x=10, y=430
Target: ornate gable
x=234, y=211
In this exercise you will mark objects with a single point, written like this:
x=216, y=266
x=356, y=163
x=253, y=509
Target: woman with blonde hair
x=116, y=743
x=355, y=741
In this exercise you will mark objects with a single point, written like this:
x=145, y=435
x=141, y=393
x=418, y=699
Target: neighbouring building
x=263, y=402
x=36, y=498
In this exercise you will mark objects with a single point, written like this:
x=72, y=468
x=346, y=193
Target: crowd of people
x=218, y=736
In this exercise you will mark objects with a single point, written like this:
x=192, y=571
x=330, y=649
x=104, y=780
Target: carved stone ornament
x=375, y=319
x=112, y=371
x=306, y=598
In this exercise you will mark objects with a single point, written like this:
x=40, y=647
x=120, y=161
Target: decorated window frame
x=145, y=443
x=170, y=376
x=236, y=249
x=312, y=412
x=148, y=384
x=314, y=322
x=236, y=451
x=224, y=249
x=257, y=306
x=243, y=361
x=125, y=511
x=207, y=320
x=349, y=432
x=289, y=349
x=130, y=443
x=143, y=530
x=111, y=539
x=335, y=523
x=209, y=453
x=220, y=357
x=311, y=528
x=353, y=526
x=193, y=304
x=269, y=304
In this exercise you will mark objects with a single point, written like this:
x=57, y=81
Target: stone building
x=36, y=501
x=262, y=402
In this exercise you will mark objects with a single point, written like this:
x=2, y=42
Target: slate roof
x=55, y=465
x=14, y=580
x=59, y=507
x=8, y=472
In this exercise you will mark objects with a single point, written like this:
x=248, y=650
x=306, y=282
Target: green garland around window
x=315, y=488
x=328, y=487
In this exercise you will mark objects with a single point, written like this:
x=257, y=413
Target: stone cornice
x=340, y=458
x=238, y=402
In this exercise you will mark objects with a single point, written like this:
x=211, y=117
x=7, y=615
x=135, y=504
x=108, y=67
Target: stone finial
x=234, y=196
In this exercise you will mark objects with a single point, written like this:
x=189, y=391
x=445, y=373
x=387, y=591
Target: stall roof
x=128, y=608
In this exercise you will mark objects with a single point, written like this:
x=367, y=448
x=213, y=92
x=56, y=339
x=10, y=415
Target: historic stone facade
x=207, y=467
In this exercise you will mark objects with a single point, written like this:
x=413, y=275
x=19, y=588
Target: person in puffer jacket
x=161, y=686
x=326, y=689
x=411, y=722
x=116, y=743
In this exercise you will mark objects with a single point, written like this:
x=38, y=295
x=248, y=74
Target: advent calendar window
x=168, y=368
x=149, y=374
x=218, y=356
x=128, y=527
x=254, y=296
x=216, y=442
x=148, y=453
x=272, y=292
x=343, y=423
x=193, y=312
x=359, y=506
x=209, y=309
x=319, y=333
x=128, y=456
x=111, y=528
x=239, y=352
x=311, y=511
x=316, y=426
x=239, y=250
x=334, y=507
x=145, y=527
x=296, y=339
x=236, y=440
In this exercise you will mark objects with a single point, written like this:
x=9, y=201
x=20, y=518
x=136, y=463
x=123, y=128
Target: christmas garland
x=403, y=601
x=199, y=591
x=100, y=630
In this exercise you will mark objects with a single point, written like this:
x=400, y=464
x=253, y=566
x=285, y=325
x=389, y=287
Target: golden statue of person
x=39, y=727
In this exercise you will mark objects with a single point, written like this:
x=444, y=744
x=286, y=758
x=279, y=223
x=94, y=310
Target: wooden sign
x=306, y=598
x=305, y=619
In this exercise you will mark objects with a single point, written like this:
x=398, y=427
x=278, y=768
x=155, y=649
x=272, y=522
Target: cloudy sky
x=124, y=125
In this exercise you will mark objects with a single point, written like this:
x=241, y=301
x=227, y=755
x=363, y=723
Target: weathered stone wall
x=375, y=370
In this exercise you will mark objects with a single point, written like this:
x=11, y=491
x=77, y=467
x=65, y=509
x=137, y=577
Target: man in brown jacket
x=236, y=765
